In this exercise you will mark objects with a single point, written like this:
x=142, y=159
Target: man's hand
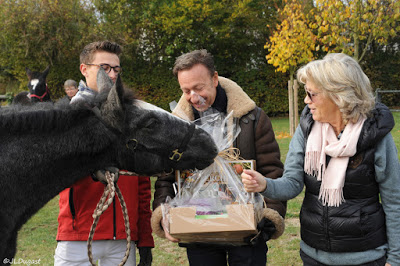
x=164, y=224
x=145, y=256
x=266, y=229
x=100, y=175
x=253, y=181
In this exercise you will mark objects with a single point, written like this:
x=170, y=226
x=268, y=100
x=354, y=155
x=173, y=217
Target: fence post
x=378, y=97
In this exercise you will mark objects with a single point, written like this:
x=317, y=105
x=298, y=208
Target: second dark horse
x=38, y=90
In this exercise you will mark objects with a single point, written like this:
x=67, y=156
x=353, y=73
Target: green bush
x=267, y=88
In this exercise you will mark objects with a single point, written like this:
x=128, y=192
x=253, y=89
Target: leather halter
x=176, y=154
x=39, y=97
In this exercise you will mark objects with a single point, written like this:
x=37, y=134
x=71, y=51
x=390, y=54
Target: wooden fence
x=378, y=96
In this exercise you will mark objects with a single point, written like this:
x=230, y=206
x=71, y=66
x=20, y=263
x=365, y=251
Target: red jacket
x=78, y=202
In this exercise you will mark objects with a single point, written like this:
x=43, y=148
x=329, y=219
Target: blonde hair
x=341, y=79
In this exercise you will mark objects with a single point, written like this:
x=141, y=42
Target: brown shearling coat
x=256, y=141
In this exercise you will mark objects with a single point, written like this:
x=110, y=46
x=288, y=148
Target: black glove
x=266, y=228
x=145, y=256
x=100, y=175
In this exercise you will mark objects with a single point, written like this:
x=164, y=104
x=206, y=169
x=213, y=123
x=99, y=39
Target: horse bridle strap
x=177, y=153
x=39, y=97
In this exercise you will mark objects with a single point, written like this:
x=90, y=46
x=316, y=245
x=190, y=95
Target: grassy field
x=37, y=237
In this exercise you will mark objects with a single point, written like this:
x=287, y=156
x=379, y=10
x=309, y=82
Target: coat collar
x=238, y=101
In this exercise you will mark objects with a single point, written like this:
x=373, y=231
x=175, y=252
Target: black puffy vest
x=358, y=224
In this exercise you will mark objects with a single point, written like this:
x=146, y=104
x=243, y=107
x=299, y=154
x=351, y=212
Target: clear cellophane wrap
x=211, y=204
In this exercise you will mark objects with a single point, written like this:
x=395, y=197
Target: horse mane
x=45, y=116
x=41, y=117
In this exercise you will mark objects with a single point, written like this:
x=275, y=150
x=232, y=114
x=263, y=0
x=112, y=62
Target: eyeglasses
x=107, y=68
x=311, y=94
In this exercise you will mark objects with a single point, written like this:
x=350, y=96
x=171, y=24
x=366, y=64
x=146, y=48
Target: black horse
x=38, y=90
x=45, y=148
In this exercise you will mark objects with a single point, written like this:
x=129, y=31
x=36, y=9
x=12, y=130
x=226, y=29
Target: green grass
x=37, y=237
x=285, y=250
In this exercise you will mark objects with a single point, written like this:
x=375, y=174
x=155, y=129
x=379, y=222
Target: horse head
x=38, y=91
x=151, y=139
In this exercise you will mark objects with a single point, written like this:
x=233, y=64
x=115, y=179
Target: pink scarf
x=322, y=141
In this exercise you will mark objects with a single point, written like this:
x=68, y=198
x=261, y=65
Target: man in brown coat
x=204, y=90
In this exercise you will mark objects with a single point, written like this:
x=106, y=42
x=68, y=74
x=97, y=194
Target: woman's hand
x=253, y=181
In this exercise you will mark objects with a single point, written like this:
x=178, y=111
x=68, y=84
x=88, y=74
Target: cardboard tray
x=233, y=226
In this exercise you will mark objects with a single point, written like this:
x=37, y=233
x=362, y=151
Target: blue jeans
x=221, y=255
x=308, y=261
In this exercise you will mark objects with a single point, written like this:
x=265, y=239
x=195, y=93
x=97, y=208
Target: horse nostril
x=132, y=144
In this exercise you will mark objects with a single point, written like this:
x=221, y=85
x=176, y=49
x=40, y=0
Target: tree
x=157, y=31
x=123, y=22
x=351, y=26
x=161, y=30
x=291, y=45
x=37, y=33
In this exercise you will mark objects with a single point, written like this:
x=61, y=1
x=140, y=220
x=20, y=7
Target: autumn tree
x=351, y=26
x=291, y=44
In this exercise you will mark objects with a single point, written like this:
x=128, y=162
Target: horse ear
x=103, y=80
x=46, y=71
x=112, y=109
x=28, y=72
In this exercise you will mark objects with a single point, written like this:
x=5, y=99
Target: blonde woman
x=345, y=156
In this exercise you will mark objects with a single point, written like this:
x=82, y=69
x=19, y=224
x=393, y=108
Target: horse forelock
x=148, y=106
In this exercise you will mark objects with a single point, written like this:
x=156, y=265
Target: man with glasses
x=78, y=202
x=94, y=56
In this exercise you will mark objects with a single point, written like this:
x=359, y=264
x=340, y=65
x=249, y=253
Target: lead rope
x=102, y=205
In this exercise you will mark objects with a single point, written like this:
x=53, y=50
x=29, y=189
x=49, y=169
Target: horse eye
x=150, y=123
